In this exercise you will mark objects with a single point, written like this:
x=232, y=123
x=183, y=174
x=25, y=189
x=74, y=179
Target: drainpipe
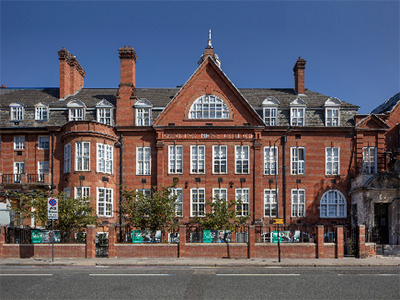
x=121, y=181
x=52, y=163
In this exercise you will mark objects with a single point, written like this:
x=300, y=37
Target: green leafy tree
x=223, y=215
x=150, y=212
x=73, y=214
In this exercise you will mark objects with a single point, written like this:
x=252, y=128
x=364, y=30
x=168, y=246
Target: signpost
x=277, y=222
x=52, y=214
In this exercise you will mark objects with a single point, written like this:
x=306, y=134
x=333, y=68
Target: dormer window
x=332, y=112
x=105, y=112
x=16, y=112
x=297, y=112
x=41, y=112
x=270, y=111
x=209, y=107
x=76, y=110
x=143, y=112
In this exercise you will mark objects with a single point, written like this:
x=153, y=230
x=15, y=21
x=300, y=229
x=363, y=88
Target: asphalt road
x=199, y=283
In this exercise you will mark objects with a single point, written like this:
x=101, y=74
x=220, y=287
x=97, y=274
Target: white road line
x=26, y=274
x=130, y=274
x=368, y=274
x=258, y=274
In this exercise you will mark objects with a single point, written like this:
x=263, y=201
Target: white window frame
x=297, y=116
x=298, y=203
x=145, y=192
x=209, y=107
x=43, y=168
x=76, y=114
x=67, y=158
x=197, y=202
x=179, y=201
x=17, y=112
x=297, y=165
x=41, y=112
x=332, y=161
x=143, y=160
x=244, y=195
x=221, y=193
x=270, y=202
x=105, y=115
x=104, y=205
x=82, y=159
x=19, y=168
x=270, y=116
x=197, y=159
x=82, y=192
x=105, y=158
x=143, y=116
x=369, y=162
x=333, y=204
x=43, y=142
x=175, y=159
x=271, y=156
x=241, y=161
x=220, y=159
x=19, y=142
x=332, y=116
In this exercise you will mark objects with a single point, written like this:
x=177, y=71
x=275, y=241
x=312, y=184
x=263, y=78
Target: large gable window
x=209, y=107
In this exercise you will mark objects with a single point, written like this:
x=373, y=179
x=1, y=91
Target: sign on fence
x=45, y=236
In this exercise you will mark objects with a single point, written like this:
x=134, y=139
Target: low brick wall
x=146, y=250
x=219, y=250
x=288, y=250
x=370, y=249
x=330, y=250
x=43, y=250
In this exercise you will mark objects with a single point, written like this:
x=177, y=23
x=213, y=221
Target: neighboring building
x=375, y=191
x=286, y=152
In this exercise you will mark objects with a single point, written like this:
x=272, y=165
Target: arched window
x=209, y=107
x=333, y=205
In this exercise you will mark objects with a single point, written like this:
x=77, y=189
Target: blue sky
x=352, y=48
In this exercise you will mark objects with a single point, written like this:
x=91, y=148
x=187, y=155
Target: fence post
x=90, y=241
x=182, y=241
x=320, y=241
x=111, y=241
x=252, y=242
x=339, y=241
x=2, y=239
x=361, y=241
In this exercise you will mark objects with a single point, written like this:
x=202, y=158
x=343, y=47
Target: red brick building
x=286, y=152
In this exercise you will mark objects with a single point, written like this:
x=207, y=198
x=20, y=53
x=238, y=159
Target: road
x=199, y=283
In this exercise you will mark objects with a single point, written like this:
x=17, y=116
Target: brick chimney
x=72, y=74
x=126, y=94
x=298, y=71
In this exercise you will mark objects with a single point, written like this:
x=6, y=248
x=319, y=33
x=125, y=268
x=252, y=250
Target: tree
x=150, y=212
x=73, y=214
x=223, y=215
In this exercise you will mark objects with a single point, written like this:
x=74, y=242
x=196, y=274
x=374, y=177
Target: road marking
x=368, y=274
x=258, y=274
x=26, y=274
x=273, y=267
x=131, y=274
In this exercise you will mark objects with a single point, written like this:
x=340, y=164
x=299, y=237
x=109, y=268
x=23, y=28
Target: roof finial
x=209, y=39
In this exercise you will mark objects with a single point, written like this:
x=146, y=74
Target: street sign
x=52, y=209
x=278, y=221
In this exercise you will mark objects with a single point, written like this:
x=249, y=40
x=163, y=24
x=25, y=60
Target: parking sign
x=52, y=209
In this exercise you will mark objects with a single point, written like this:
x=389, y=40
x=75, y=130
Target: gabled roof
x=372, y=122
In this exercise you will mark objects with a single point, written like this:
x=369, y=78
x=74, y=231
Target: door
x=19, y=168
x=381, y=218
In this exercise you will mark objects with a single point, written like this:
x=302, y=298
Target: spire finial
x=209, y=39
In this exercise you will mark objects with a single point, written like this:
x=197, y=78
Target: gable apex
x=298, y=102
x=270, y=101
x=372, y=122
x=104, y=103
x=76, y=103
x=333, y=102
x=142, y=102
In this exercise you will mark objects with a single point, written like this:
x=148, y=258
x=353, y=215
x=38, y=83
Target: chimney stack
x=298, y=71
x=126, y=94
x=72, y=74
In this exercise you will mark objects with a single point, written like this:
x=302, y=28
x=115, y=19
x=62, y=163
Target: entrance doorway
x=381, y=221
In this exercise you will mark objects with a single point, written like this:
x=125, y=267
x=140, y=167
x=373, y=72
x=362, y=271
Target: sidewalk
x=203, y=262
